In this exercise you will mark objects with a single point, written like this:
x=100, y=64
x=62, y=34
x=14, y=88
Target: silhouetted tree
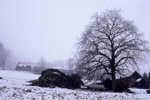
x=111, y=43
x=149, y=80
x=146, y=79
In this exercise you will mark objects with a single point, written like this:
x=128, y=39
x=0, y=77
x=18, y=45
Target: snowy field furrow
x=13, y=86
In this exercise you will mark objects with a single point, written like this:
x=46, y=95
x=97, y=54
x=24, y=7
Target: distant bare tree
x=42, y=63
x=5, y=54
x=111, y=43
x=71, y=64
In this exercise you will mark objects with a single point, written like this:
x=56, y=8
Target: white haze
x=50, y=28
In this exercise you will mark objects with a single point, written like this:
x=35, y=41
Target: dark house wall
x=126, y=81
x=131, y=81
x=24, y=68
x=141, y=84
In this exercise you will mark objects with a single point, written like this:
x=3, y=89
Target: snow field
x=13, y=86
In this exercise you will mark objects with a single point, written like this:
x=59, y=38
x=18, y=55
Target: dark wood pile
x=55, y=78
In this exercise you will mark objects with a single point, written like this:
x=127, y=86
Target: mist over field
x=80, y=50
x=51, y=29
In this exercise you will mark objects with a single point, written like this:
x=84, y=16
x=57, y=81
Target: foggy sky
x=51, y=28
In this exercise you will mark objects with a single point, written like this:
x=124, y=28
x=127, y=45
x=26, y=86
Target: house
x=135, y=80
x=25, y=66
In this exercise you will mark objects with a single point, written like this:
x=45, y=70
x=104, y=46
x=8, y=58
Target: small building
x=25, y=66
x=135, y=81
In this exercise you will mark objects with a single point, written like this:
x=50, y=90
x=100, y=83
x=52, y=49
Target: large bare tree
x=111, y=43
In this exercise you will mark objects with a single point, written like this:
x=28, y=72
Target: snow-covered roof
x=93, y=82
x=138, y=80
x=21, y=64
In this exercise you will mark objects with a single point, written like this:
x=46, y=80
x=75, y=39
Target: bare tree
x=5, y=54
x=42, y=63
x=111, y=43
x=70, y=63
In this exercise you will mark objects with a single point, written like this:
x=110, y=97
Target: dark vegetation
x=1, y=78
x=148, y=91
x=55, y=78
x=147, y=79
x=120, y=87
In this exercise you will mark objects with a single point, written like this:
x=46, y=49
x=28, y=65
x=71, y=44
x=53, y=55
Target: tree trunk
x=3, y=67
x=113, y=80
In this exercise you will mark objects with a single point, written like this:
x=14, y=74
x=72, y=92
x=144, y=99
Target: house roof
x=21, y=64
x=136, y=74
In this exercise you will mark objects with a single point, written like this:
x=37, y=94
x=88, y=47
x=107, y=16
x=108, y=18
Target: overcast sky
x=50, y=28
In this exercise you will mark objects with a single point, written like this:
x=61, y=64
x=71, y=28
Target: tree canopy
x=111, y=43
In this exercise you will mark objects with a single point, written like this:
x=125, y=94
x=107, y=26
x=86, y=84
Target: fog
x=51, y=28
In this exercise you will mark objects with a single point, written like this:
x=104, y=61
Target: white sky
x=50, y=28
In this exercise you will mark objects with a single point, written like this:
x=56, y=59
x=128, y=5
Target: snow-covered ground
x=13, y=86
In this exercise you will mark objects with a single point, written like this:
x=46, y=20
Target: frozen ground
x=13, y=87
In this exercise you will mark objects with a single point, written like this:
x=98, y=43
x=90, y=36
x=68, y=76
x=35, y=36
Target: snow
x=138, y=91
x=138, y=80
x=13, y=86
